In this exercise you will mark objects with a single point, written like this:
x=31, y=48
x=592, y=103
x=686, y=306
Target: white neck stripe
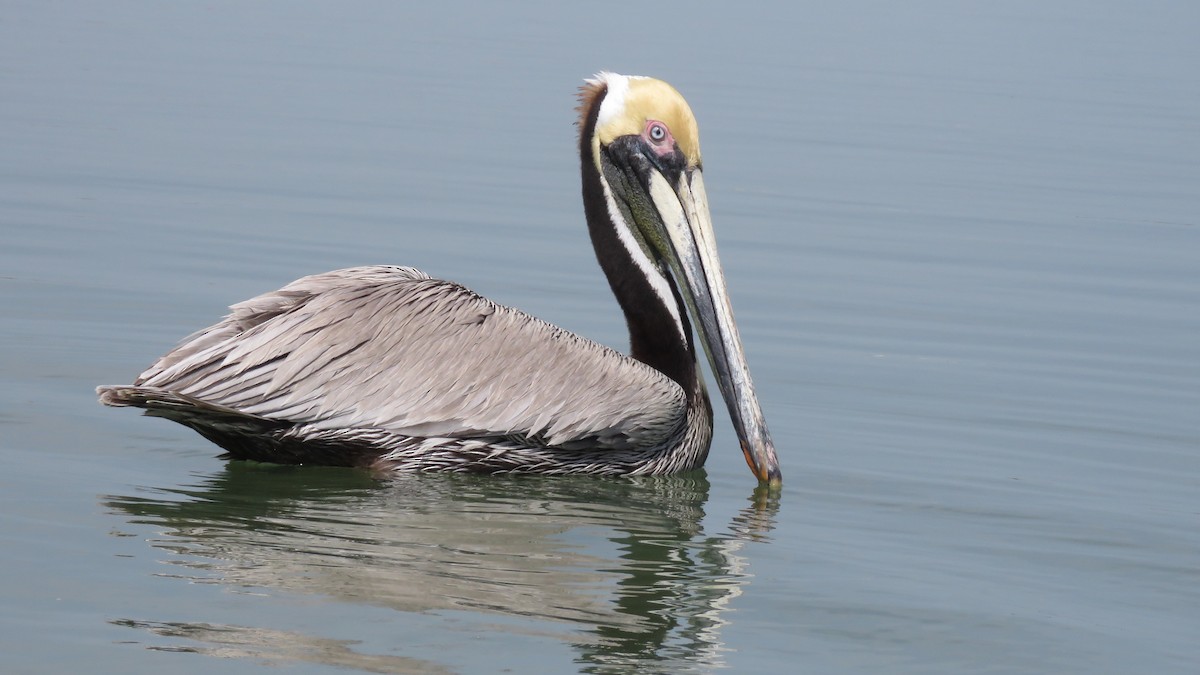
x=658, y=282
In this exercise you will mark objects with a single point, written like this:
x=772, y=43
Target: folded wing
x=390, y=348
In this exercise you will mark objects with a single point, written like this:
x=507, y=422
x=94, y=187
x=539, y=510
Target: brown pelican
x=387, y=368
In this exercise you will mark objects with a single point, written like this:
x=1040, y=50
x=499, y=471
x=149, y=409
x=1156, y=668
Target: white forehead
x=613, y=105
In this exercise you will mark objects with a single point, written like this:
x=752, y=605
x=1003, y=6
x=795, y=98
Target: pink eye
x=657, y=132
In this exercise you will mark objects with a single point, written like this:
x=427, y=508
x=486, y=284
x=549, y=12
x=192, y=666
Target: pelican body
x=387, y=368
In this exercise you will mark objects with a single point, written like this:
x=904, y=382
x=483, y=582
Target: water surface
x=962, y=246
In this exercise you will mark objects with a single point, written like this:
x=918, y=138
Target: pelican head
x=647, y=189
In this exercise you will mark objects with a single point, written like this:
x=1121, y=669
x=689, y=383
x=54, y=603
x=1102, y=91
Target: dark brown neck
x=654, y=336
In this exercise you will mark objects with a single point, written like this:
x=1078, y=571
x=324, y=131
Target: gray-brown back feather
x=390, y=348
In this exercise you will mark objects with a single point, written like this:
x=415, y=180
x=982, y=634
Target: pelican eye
x=657, y=132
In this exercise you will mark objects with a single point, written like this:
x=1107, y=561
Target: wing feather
x=391, y=348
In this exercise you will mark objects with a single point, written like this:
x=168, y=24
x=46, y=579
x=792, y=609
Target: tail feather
x=242, y=435
x=179, y=407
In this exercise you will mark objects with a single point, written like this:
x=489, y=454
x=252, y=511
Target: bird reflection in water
x=525, y=548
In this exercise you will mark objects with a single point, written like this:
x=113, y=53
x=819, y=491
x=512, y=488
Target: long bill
x=693, y=259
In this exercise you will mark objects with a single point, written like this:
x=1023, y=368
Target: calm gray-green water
x=963, y=244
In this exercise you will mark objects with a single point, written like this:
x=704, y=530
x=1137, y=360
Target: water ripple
x=622, y=568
